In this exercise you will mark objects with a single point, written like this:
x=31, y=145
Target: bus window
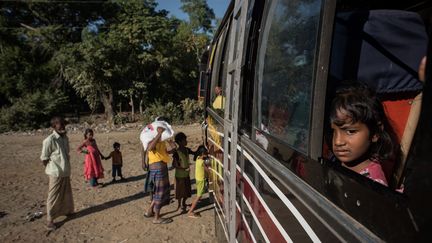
x=285, y=71
x=220, y=74
x=382, y=48
x=216, y=79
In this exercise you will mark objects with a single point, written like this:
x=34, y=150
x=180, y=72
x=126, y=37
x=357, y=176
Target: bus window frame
x=318, y=82
x=217, y=72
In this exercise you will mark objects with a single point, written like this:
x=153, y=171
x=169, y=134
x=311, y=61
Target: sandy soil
x=113, y=213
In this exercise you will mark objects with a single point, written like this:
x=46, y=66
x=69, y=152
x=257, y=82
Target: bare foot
x=50, y=226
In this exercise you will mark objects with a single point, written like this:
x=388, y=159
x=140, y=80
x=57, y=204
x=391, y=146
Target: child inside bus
x=361, y=135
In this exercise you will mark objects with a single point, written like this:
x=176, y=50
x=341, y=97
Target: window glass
x=285, y=70
x=219, y=76
x=215, y=80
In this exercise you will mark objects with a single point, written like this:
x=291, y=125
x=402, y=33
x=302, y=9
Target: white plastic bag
x=150, y=131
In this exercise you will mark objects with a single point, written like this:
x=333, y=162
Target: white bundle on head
x=150, y=131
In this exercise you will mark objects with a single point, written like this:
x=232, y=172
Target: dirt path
x=113, y=213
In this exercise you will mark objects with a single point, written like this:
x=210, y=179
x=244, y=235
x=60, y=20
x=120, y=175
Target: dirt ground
x=113, y=213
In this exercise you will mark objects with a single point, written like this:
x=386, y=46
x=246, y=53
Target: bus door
x=231, y=115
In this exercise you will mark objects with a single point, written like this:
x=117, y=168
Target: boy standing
x=117, y=162
x=55, y=158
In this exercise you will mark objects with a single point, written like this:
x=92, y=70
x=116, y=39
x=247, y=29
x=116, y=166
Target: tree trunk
x=131, y=103
x=141, y=105
x=107, y=100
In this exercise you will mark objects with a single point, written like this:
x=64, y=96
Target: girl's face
x=350, y=140
x=90, y=135
x=183, y=142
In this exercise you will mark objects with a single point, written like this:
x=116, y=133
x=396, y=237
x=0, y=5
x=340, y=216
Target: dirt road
x=113, y=213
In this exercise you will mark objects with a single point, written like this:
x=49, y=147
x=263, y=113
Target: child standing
x=181, y=164
x=201, y=155
x=93, y=169
x=117, y=162
x=361, y=135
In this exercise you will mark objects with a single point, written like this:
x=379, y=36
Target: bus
x=269, y=76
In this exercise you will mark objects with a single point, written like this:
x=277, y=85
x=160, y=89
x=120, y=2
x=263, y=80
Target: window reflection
x=285, y=67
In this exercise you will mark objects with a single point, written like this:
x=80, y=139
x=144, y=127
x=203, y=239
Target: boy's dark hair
x=200, y=150
x=116, y=145
x=362, y=105
x=87, y=131
x=57, y=119
x=179, y=137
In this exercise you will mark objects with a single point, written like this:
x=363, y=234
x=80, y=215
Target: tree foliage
x=103, y=52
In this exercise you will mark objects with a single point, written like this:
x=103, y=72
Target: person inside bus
x=219, y=101
x=361, y=136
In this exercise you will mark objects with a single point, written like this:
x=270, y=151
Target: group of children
x=93, y=169
x=182, y=169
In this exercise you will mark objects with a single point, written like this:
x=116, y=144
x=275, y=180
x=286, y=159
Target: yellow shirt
x=55, y=148
x=199, y=169
x=158, y=154
x=219, y=102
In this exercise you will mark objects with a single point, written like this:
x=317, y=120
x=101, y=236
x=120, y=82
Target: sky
x=173, y=6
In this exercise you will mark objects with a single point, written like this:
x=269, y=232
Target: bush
x=32, y=111
x=120, y=118
x=169, y=110
x=193, y=110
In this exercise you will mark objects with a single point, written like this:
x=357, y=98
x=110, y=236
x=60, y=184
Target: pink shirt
x=374, y=172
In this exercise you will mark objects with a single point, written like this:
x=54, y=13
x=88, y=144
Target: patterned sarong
x=158, y=177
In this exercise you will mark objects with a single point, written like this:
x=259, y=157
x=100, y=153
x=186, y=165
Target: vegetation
x=61, y=57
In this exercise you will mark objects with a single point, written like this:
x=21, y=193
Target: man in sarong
x=55, y=158
x=158, y=176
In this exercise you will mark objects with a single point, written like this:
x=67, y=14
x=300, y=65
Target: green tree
x=127, y=53
x=200, y=15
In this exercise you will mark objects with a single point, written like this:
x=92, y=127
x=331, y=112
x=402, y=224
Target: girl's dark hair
x=179, y=137
x=200, y=150
x=361, y=104
x=87, y=131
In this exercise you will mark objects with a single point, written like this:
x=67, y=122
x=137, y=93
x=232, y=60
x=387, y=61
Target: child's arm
x=100, y=153
x=109, y=156
x=80, y=148
x=173, y=147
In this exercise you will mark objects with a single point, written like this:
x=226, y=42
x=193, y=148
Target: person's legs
x=150, y=210
x=119, y=172
x=192, y=208
x=60, y=199
x=114, y=170
x=50, y=202
x=200, y=192
x=184, y=204
x=93, y=181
